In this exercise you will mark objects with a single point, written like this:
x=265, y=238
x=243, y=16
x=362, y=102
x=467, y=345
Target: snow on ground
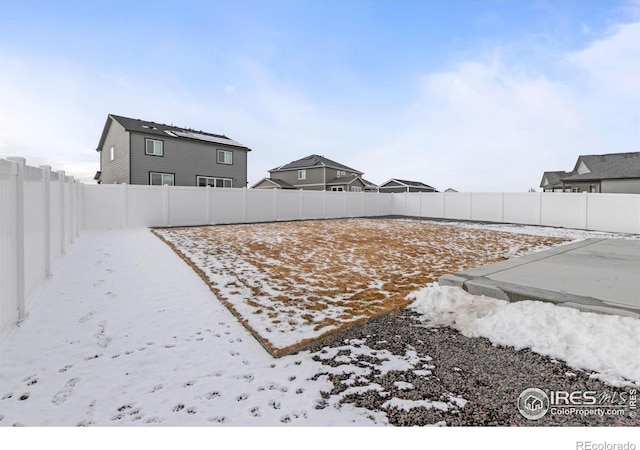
x=294, y=281
x=125, y=333
x=606, y=344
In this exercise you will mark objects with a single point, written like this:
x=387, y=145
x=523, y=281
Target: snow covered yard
x=125, y=333
x=293, y=282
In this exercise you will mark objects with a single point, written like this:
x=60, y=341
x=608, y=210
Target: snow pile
x=606, y=344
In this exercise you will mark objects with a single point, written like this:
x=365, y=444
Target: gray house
x=396, y=185
x=318, y=173
x=135, y=151
x=609, y=173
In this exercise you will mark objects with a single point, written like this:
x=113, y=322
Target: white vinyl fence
x=619, y=213
x=38, y=220
x=126, y=206
x=42, y=211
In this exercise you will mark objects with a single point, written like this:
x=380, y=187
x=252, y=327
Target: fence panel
x=260, y=205
x=227, y=205
x=8, y=255
x=486, y=206
x=103, y=206
x=614, y=212
x=312, y=204
x=335, y=204
x=34, y=228
x=413, y=206
x=145, y=206
x=457, y=205
x=371, y=204
x=432, y=204
x=187, y=205
x=564, y=209
x=288, y=204
x=353, y=204
x=522, y=208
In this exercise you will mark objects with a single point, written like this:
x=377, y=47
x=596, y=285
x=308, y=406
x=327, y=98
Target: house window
x=592, y=188
x=575, y=189
x=225, y=157
x=161, y=179
x=337, y=188
x=302, y=174
x=356, y=189
x=153, y=147
x=112, y=154
x=214, y=182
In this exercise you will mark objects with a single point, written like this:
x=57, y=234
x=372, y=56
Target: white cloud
x=486, y=125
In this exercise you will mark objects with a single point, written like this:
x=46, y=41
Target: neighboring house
x=610, y=173
x=450, y=190
x=396, y=185
x=316, y=173
x=135, y=151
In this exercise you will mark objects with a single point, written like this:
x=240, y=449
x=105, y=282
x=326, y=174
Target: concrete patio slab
x=598, y=275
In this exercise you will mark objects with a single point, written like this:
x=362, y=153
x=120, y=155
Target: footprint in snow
x=98, y=283
x=30, y=380
x=87, y=317
x=110, y=294
x=65, y=393
x=219, y=419
x=242, y=397
x=255, y=412
x=178, y=407
x=65, y=368
x=274, y=404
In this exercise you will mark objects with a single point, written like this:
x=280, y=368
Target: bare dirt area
x=293, y=282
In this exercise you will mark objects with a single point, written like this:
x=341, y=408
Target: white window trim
x=225, y=153
x=302, y=174
x=173, y=177
x=356, y=189
x=337, y=189
x=154, y=152
x=112, y=154
x=214, y=180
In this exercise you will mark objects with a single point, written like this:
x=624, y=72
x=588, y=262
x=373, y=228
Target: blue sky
x=474, y=95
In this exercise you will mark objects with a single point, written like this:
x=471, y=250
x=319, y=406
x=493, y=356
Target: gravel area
x=489, y=377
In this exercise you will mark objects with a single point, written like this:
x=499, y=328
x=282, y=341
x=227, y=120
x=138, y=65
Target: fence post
x=324, y=203
x=586, y=210
x=207, y=207
x=275, y=204
x=244, y=205
x=300, y=200
x=76, y=207
x=71, y=209
x=165, y=203
x=20, y=162
x=61, y=177
x=46, y=175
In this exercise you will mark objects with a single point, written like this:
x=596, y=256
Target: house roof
x=276, y=182
x=598, y=167
x=314, y=161
x=160, y=129
x=609, y=166
x=553, y=177
x=408, y=183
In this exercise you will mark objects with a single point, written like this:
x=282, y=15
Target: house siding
x=116, y=171
x=186, y=160
x=315, y=176
x=628, y=186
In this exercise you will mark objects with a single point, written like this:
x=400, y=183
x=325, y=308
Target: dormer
x=582, y=168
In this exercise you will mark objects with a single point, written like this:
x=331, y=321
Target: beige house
x=610, y=173
x=317, y=173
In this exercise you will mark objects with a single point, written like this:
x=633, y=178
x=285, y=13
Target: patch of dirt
x=292, y=282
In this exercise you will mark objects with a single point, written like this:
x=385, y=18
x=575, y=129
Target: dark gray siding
x=186, y=159
x=116, y=171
